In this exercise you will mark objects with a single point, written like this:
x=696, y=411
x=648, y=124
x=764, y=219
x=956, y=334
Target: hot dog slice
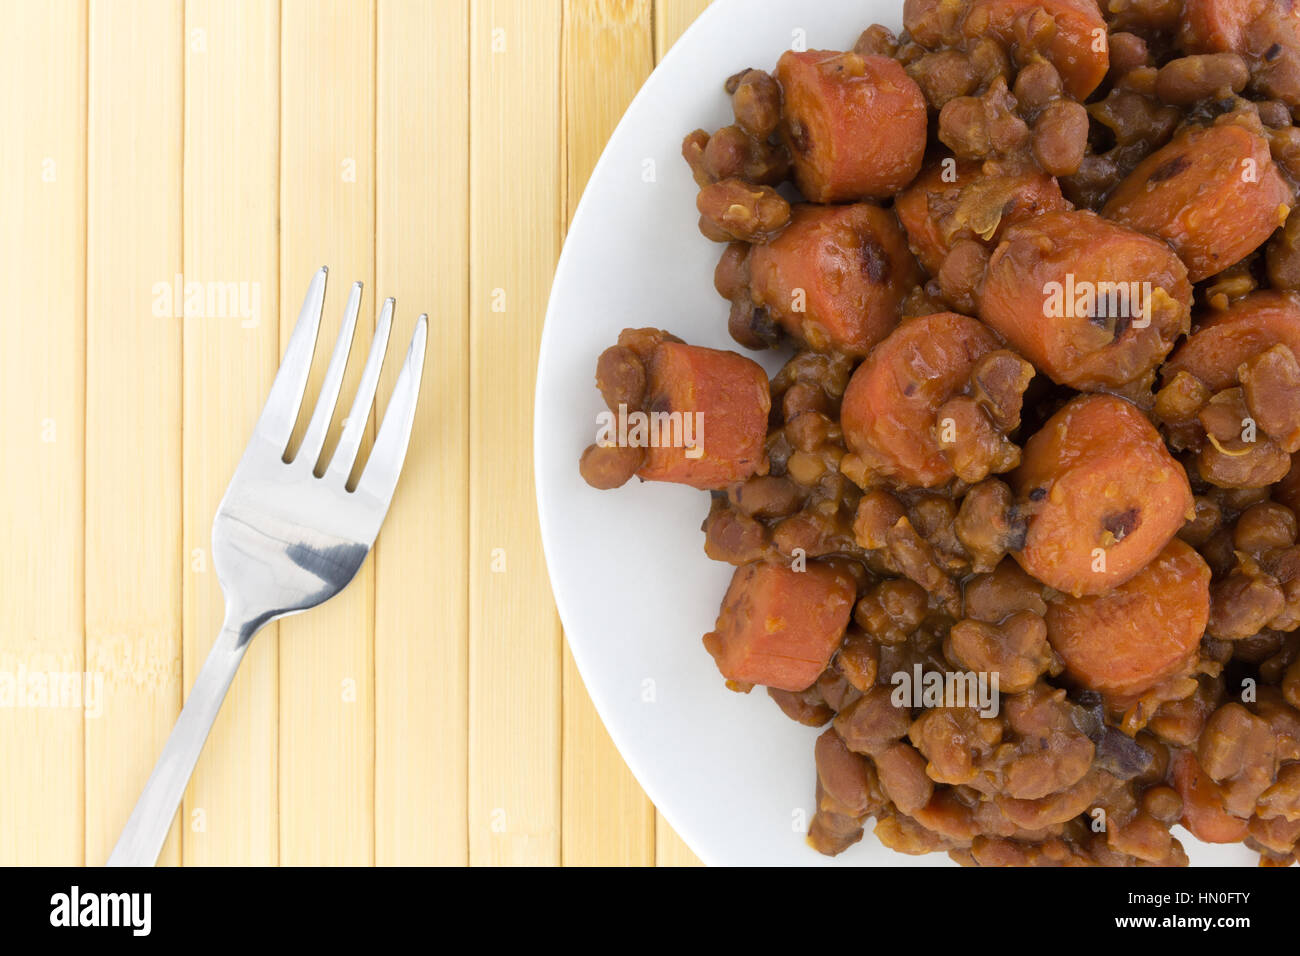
x=1213, y=194
x=1217, y=26
x=855, y=125
x=1078, y=47
x=707, y=412
x=890, y=405
x=1092, y=304
x=1129, y=639
x=835, y=277
x=1226, y=339
x=1108, y=495
x=779, y=627
x=953, y=200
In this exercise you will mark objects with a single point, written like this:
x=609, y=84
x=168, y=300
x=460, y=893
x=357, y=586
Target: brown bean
x=989, y=525
x=872, y=724
x=1208, y=520
x=933, y=23
x=876, y=41
x=1238, y=747
x=902, y=776
x=693, y=147
x=943, y=76
x=1128, y=51
x=847, y=779
x=733, y=537
x=765, y=496
x=1061, y=137
x=757, y=104
x=732, y=153
x=891, y=611
x=979, y=127
x=750, y=326
x=971, y=442
x=610, y=466
x=621, y=378
x=1263, y=527
x=916, y=558
x=731, y=275
x=1177, y=406
x=1243, y=603
x=962, y=272
x=741, y=210
x=804, y=707
x=859, y=661
x=1016, y=650
x=877, y=512
x=1251, y=465
x=1270, y=385
x=1200, y=76
x=1282, y=255
x=1163, y=803
x=1037, y=85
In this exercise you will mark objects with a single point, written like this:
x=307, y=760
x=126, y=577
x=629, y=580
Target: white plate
x=731, y=773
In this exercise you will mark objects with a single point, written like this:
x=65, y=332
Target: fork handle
x=145, y=831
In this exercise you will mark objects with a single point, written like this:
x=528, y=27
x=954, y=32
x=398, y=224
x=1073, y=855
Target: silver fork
x=285, y=540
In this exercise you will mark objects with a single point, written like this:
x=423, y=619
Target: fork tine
x=282, y=404
x=314, y=438
x=345, y=452
x=380, y=475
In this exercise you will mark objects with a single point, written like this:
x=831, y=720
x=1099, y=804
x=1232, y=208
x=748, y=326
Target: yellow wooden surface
x=434, y=151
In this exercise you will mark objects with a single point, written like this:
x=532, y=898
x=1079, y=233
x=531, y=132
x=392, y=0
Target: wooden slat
x=133, y=404
x=608, y=53
x=670, y=849
x=515, y=216
x=231, y=348
x=42, y=369
x=672, y=17
x=327, y=217
x=421, y=618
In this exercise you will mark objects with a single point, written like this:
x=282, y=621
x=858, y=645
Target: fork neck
x=240, y=625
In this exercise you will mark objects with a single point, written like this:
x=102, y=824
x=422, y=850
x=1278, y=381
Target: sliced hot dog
x=855, y=125
x=779, y=627
x=709, y=411
x=1214, y=194
x=890, y=404
x=1106, y=496
x=1226, y=339
x=835, y=277
x=1070, y=291
x=1129, y=639
x=1217, y=26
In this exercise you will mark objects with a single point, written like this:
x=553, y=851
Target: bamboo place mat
x=435, y=151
